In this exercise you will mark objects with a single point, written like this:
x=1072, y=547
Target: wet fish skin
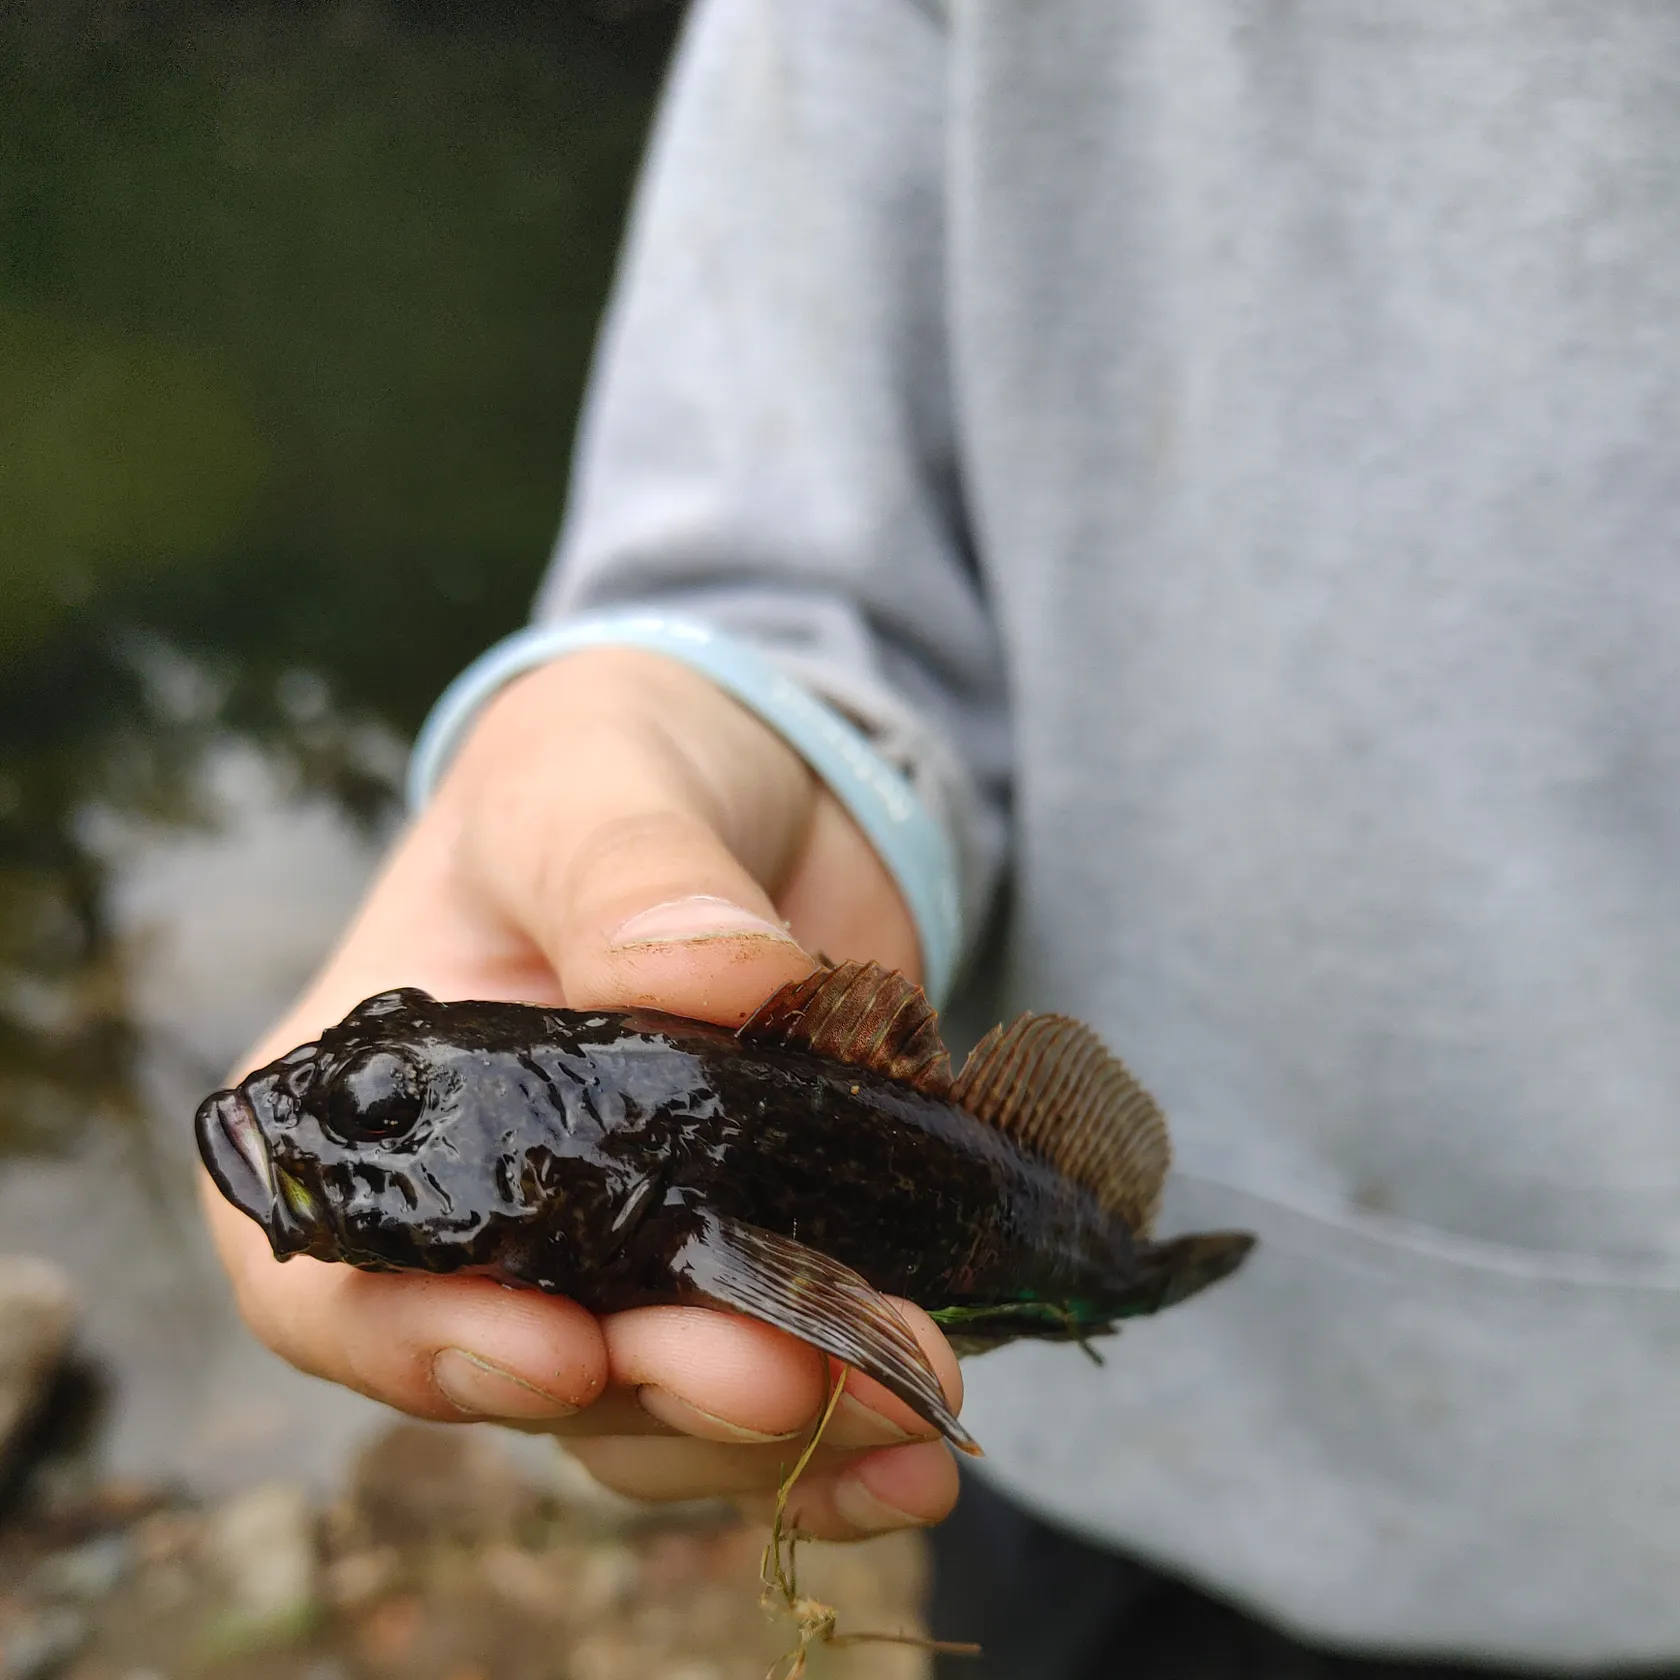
x=793, y=1171
x=578, y=1151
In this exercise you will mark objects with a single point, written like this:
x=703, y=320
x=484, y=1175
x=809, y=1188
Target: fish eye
x=376, y=1094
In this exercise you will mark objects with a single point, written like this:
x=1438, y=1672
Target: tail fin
x=1160, y=1275
x=1172, y=1271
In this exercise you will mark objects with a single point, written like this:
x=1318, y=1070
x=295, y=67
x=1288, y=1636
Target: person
x=1221, y=459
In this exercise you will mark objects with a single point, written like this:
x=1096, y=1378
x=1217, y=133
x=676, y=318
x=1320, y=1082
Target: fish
x=798, y=1170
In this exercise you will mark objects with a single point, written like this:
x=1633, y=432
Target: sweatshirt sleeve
x=769, y=440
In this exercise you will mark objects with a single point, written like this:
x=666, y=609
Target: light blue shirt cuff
x=913, y=846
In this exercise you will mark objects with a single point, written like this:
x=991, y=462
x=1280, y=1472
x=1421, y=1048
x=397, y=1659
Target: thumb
x=635, y=824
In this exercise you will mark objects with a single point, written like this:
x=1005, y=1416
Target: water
x=295, y=307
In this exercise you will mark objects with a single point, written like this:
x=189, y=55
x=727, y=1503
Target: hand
x=615, y=831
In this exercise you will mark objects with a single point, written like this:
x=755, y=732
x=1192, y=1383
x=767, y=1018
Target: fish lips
x=236, y=1155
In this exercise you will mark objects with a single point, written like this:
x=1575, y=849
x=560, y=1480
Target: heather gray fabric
x=1277, y=403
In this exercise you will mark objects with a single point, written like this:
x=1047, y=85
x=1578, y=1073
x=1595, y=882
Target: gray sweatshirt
x=1227, y=449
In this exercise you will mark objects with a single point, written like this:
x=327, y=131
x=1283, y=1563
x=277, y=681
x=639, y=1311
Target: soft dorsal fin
x=1050, y=1083
x=863, y=1014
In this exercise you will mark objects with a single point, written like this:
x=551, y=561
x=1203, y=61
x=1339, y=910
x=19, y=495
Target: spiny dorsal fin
x=390, y=1003
x=863, y=1014
x=1051, y=1085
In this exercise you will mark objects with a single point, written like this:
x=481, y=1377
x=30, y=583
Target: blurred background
x=296, y=304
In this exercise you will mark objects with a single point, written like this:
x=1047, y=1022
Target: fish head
x=395, y=1140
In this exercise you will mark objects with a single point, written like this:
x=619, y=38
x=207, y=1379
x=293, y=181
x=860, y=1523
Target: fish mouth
x=238, y=1158
x=236, y=1154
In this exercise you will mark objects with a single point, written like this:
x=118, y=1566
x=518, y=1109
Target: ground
x=438, y=1561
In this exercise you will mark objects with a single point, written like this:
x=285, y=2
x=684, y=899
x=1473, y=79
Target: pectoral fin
x=784, y=1283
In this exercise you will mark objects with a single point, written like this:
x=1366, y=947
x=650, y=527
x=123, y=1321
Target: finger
x=448, y=1348
x=837, y=1498
x=869, y=920
x=617, y=1412
x=640, y=844
x=626, y=1411
x=714, y=1374
x=721, y=1377
x=724, y=1377
x=896, y=1487
x=666, y=1468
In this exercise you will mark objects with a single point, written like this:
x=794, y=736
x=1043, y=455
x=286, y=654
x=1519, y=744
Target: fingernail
x=864, y=1511
x=680, y=1414
x=480, y=1389
x=700, y=917
x=860, y=1427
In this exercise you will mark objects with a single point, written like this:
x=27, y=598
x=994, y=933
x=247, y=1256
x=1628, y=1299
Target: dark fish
x=791, y=1171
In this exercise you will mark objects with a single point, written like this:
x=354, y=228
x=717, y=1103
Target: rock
x=167, y=1536
x=36, y=1646
x=165, y=1588
x=261, y=1547
x=37, y=1314
x=523, y=1582
x=607, y=1579
x=117, y=1503
x=386, y=1637
x=423, y=1483
x=358, y=1578
x=612, y=1655
x=877, y=1586
x=86, y=1572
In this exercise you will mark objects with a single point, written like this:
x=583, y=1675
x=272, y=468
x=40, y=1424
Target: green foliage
x=296, y=304
x=119, y=456
x=305, y=310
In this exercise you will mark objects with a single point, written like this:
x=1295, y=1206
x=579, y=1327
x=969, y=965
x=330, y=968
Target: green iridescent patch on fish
x=978, y=1329
x=1022, y=1315
x=298, y=1199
